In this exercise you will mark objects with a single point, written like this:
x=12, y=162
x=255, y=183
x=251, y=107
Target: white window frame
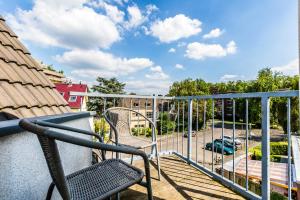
x=74, y=100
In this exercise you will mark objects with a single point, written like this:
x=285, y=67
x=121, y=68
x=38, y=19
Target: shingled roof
x=25, y=91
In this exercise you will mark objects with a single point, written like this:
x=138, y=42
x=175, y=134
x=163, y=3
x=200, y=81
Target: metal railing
x=187, y=145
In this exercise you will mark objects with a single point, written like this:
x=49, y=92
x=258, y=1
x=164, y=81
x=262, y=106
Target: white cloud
x=172, y=50
x=67, y=24
x=231, y=77
x=157, y=73
x=175, y=28
x=179, y=66
x=214, y=33
x=148, y=87
x=292, y=68
x=93, y=63
x=136, y=17
x=150, y=8
x=231, y=47
x=116, y=15
x=200, y=51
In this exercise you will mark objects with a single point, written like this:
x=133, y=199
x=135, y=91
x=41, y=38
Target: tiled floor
x=179, y=181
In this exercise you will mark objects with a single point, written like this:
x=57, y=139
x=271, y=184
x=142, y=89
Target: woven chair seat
x=102, y=180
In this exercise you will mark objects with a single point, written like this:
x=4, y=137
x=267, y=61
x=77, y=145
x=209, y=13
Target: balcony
x=189, y=168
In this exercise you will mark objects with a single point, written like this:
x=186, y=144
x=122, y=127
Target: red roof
x=65, y=89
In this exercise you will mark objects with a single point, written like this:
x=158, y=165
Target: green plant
x=142, y=132
x=165, y=124
x=277, y=196
x=278, y=149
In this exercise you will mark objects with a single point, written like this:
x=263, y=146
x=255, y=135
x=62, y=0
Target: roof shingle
x=25, y=90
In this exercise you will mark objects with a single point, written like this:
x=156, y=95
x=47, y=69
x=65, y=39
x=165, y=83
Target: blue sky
x=150, y=44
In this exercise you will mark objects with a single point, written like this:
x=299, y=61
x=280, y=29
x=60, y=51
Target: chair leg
x=131, y=159
x=50, y=191
x=158, y=162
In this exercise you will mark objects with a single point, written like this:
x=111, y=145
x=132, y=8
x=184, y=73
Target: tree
x=105, y=86
x=266, y=80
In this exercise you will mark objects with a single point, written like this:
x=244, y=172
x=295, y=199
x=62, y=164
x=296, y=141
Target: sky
x=150, y=44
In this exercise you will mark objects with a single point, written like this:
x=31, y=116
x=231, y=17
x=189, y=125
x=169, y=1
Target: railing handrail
x=288, y=93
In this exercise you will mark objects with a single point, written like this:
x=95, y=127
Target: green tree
x=105, y=86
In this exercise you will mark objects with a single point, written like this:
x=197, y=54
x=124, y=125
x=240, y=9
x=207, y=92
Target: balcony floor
x=179, y=181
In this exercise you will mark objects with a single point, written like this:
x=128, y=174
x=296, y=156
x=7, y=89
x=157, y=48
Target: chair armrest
x=46, y=132
x=63, y=127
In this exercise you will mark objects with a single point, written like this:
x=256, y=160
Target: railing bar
x=190, y=128
x=197, y=129
x=212, y=135
x=183, y=109
x=130, y=115
x=222, y=137
x=161, y=124
x=292, y=93
x=104, y=104
x=167, y=136
x=139, y=128
x=173, y=131
x=289, y=148
x=178, y=120
x=247, y=136
x=146, y=108
x=233, y=139
x=204, y=130
x=114, y=102
x=265, y=106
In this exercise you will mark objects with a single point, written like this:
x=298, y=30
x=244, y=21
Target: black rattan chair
x=98, y=181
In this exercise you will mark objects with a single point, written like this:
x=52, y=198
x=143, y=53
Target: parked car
x=193, y=134
x=227, y=143
x=218, y=148
x=237, y=142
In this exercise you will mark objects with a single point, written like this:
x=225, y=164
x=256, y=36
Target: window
x=149, y=114
x=72, y=98
x=148, y=104
x=136, y=104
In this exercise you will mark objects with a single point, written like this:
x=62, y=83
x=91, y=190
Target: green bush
x=277, y=196
x=278, y=149
x=142, y=132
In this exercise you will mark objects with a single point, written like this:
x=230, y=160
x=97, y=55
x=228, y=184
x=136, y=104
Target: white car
x=237, y=142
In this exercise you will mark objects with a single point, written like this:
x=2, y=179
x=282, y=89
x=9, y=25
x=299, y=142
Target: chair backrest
x=51, y=154
x=121, y=118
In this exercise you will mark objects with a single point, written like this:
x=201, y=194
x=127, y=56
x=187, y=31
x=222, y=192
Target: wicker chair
x=98, y=181
x=119, y=119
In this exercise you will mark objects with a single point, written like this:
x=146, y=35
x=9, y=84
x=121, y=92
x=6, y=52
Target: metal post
x=233, y=139
x=139, y=128
x=182, y=128
x=265, y=107
x=154, y=121
x=167, y=136
x=190, y=121
x=161, y=125
x=223, y=138
x=247, y=136
x=204, y=127
x=289, y=148
x=178, y=118
x=197, y=130
x=212, y=134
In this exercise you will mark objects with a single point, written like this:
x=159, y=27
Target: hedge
x=278, y=149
